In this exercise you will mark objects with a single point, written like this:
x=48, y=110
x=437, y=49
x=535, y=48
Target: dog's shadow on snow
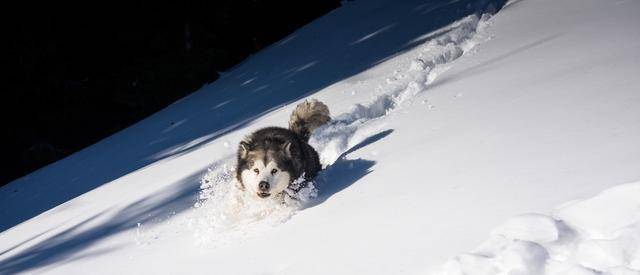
x=344, y=172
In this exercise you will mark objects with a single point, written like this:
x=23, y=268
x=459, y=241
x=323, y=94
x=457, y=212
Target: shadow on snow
x=70, y=244
x=331, y=49
x=345, y=172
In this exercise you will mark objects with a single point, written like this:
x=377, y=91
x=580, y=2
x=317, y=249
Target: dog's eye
x=256, y=170
x=274, y=171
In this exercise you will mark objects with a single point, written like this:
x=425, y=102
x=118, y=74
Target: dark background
x=74, y=74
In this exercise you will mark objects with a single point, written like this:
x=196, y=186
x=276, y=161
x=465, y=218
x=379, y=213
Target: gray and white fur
x=272, y=158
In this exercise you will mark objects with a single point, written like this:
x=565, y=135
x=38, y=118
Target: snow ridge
x=600, y=235
x=224, y=214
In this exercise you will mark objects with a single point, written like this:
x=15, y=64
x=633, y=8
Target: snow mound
x=529, y=227
x=600, y=235
x=224, y=213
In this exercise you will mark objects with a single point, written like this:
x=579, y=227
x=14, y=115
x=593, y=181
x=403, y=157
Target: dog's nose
x=263, y=186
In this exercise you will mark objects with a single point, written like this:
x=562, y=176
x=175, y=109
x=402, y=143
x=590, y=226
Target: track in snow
x=223, y=215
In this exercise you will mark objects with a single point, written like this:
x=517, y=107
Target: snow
x=599, y=235
x=529, y=227
x=509, y=133
x=223, y=214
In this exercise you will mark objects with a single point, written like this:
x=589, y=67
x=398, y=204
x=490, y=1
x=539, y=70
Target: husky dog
x=272, y=158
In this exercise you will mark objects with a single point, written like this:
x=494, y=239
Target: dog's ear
x=286, y=148
x=244, y=148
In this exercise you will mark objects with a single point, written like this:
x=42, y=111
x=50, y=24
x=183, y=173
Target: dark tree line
x=74, y=74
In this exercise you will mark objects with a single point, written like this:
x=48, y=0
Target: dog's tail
x=308, y=116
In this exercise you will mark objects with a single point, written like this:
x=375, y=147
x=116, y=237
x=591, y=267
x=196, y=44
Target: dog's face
x=264, y=170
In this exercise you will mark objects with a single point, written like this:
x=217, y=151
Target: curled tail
x=308, y=116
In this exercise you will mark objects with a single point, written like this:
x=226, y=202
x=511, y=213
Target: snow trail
x=345, y=130
x=224, y=214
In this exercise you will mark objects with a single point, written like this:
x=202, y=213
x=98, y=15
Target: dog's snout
x=263, y=186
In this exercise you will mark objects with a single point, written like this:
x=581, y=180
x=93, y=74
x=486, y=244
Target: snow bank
x=600, y=235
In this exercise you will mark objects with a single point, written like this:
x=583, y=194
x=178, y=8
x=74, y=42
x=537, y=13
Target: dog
x=272, y=159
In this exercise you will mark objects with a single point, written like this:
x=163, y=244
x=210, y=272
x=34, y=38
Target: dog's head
x=264, y=169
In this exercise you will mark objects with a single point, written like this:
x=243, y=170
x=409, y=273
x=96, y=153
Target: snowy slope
x=447, y=124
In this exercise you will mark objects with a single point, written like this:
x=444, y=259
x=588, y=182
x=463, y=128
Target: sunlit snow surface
x=450, y=131
x=600, y=235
